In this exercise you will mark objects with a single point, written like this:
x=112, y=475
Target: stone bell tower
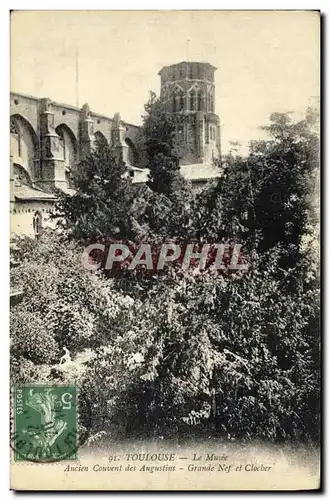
x=187, y=90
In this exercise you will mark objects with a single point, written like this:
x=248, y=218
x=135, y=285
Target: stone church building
x=48, y=138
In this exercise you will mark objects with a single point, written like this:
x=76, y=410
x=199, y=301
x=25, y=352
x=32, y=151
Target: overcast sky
x=267, y=61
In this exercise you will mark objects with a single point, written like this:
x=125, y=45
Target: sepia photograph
x=165, y=250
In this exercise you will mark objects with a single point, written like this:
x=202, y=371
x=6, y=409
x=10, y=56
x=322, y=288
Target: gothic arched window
x=133, y=154
x=68, y=178
x=199, y=101
x=100, y=139
x=37, y=224
x=209, y=103
x=24, y=144
x=192, y=101
x=62, y=142
x=67, y=145
x=181, y=101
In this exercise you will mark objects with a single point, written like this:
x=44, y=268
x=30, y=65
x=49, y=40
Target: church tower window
x=181, y=101
x=211, y=103
x=192, y=101
x=199, y=101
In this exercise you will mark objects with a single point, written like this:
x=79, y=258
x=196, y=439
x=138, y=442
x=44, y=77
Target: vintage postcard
x=164, y=250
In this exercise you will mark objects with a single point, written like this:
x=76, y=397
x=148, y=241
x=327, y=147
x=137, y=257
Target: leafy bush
x=235, y=355
x=65, y=303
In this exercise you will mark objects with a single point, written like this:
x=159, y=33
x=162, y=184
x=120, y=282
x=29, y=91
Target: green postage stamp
x=45, y=423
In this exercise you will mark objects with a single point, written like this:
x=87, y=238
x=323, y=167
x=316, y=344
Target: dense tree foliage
x=168, y=212
x=235, y=354
x=266, y=197
x=63, y=304
x=103, y=202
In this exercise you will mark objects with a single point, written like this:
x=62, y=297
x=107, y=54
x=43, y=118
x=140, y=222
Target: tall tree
x=169, y=207
x=265, y=198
